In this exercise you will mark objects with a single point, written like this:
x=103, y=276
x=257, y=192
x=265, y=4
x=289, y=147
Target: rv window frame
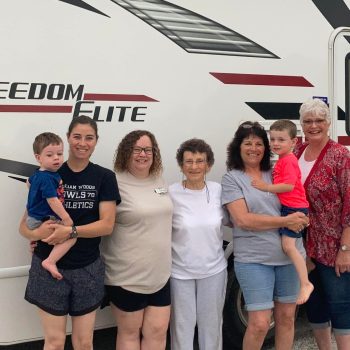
x=347, y=94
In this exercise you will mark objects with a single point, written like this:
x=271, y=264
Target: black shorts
x=130, y=301
x=78, y=293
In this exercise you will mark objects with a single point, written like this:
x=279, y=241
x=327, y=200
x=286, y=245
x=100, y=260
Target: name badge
x=161, y=190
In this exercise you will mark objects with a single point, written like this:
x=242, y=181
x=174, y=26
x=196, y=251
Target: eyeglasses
x=249, y=125
x=309, y=122
x=138, y=150
x=198, y=162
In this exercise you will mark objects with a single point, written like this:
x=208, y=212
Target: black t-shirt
x=83, y=191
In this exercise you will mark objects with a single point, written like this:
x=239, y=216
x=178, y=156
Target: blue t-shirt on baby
x=44, y=184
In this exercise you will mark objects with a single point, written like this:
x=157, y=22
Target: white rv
x=180, y=68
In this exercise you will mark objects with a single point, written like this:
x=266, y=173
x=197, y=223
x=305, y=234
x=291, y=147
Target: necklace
x=206, y=189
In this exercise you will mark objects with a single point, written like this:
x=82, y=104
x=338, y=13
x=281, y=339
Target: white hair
x=315, y=107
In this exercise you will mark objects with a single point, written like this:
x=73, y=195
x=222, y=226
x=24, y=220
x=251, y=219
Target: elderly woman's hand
x=342, y=263
x=297, y=221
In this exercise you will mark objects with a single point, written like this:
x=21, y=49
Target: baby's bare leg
x=58, y=251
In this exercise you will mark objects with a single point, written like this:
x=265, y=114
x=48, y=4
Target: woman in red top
x=325, y=168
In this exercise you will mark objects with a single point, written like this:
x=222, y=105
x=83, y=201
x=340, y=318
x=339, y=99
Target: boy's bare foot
x=304, y=293
x=52, y=268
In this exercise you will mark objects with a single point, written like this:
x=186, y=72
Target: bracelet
x=74, y=233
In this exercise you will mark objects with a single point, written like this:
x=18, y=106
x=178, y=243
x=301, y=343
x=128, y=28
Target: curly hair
x=234, y=159
x=195, y=146
x=124, y=151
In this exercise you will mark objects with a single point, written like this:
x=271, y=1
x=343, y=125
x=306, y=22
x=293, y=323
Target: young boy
x=45, y=198
x=290, y=191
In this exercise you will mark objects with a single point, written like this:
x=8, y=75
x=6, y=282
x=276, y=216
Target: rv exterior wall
x=63, y=60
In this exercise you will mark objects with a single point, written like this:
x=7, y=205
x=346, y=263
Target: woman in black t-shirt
x=90, y=194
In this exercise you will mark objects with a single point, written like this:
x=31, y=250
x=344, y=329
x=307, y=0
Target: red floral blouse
x=328, y=192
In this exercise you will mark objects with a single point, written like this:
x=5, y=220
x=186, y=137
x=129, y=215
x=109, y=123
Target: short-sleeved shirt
x=197, y=233
x=137, y=254
x=83, y=192
x=249, y=246
x=287, y=171
x=44, y=184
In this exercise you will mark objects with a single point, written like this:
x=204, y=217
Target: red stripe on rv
x=344, y=140
x=35, y=109
x=261, y=79
x=118, y=97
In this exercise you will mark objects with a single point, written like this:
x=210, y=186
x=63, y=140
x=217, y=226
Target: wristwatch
x=74, y=233
x=344, y=248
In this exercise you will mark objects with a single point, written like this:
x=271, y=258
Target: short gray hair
x=315, y=107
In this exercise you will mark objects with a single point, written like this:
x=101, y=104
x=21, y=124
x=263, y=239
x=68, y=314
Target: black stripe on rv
x=17, y=168
x=335, y=11
x=84, y=5
x=19, y=178
x=280, y=110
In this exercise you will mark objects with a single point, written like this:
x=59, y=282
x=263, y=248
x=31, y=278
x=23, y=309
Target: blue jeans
x=263, y=284
x=329, y=303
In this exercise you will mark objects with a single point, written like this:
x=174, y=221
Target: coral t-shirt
x=287, y=171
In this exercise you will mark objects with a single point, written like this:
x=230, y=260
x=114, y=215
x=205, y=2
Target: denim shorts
x=263, y=284
x=129, y=301
x=329, y=303
x=286, y=231
x=80, y=292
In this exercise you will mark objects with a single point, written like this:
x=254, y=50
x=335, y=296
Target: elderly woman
x=198, y=277
x=266, y=275
x=325, y=167
x=138, y=253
